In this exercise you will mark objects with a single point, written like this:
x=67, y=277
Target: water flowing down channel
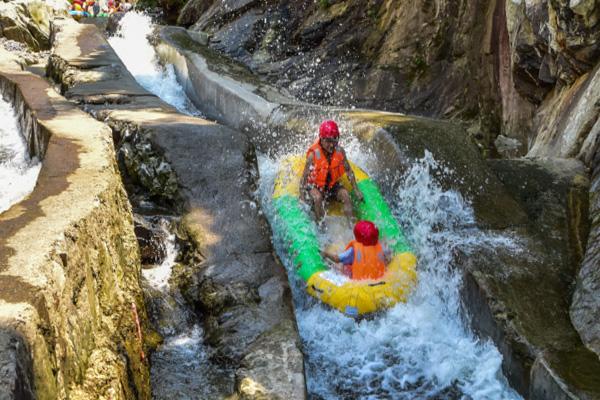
x=18, y=170
x=132, y=46
x=420, y=349
x=181, y=366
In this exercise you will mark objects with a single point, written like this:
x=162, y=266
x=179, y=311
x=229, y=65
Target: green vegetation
x=418, y=63
x=372, y=12
x=324, y=4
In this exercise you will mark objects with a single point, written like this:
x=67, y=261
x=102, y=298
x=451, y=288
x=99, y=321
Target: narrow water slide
x=491, y=270
x=131, y=44
x=421, y=349
x=424, y=348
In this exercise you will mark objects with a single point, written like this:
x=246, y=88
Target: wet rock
x=16, y=379
x=518, y=296
x=151, y=239
x=112, y=24
x=554, y=194
x=214, y=298
x=148, y=168
x=256, y=379
x=585, y=309
x=507, y=147
x=192, y=11
x=239, y=326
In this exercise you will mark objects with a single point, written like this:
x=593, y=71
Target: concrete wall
x=69, y=261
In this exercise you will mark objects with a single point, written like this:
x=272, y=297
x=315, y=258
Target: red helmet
x=329, y=129
x=366, y=233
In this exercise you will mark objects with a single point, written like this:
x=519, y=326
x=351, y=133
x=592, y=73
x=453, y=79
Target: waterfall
x=181, y=366
x=132, y=46
x=18, y=171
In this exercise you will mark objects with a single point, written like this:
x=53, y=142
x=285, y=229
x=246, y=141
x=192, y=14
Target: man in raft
x=326, y=163
x=364, y=257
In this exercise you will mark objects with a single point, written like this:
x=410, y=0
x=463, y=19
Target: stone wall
x=69, y=261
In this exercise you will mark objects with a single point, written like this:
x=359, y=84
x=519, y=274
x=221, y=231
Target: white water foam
x=158, y=277
x=181, y=366
x=18, y=171
x=417, y=350
x=132, y=46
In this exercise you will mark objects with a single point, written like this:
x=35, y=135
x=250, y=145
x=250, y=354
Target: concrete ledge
x=69, y=263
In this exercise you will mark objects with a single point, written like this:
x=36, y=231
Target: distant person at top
x=364, y=257
x=77, y=5
x=326, y=163
x=126, y=6
x=92, y=8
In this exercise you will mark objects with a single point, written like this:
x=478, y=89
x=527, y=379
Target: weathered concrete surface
x=523, y=306
x=69, y=264
x=216, y=169
x=230, y=92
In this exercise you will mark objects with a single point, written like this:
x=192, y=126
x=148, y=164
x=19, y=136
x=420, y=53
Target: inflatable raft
x=351, y=297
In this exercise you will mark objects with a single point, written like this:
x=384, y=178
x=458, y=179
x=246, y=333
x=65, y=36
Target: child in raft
x=364, y=257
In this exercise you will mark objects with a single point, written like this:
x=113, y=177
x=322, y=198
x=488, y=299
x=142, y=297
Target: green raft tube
x=351, y=297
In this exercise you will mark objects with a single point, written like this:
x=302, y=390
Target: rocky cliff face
x=27, y=22
x=524, y=75
x=504, y=66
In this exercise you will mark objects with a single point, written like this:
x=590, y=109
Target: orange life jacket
x=321, y=166
x=369, y=261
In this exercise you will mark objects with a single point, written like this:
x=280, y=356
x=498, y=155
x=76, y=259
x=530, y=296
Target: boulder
x=151, y=239
x=585, y=308
x=27, y=22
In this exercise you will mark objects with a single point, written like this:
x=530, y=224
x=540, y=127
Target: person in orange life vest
x=326, y=163
x=364, y=257
x=77, y=5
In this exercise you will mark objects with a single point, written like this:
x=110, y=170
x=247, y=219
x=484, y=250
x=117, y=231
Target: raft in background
x=298, y=230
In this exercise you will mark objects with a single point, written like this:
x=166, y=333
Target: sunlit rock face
x=28, y=21
x=502, y=65
x=585, y=309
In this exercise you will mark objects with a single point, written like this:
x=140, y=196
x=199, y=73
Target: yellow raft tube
x=351, y=297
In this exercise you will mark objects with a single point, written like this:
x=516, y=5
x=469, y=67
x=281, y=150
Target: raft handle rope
x=316, y=289
x=377, y=283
